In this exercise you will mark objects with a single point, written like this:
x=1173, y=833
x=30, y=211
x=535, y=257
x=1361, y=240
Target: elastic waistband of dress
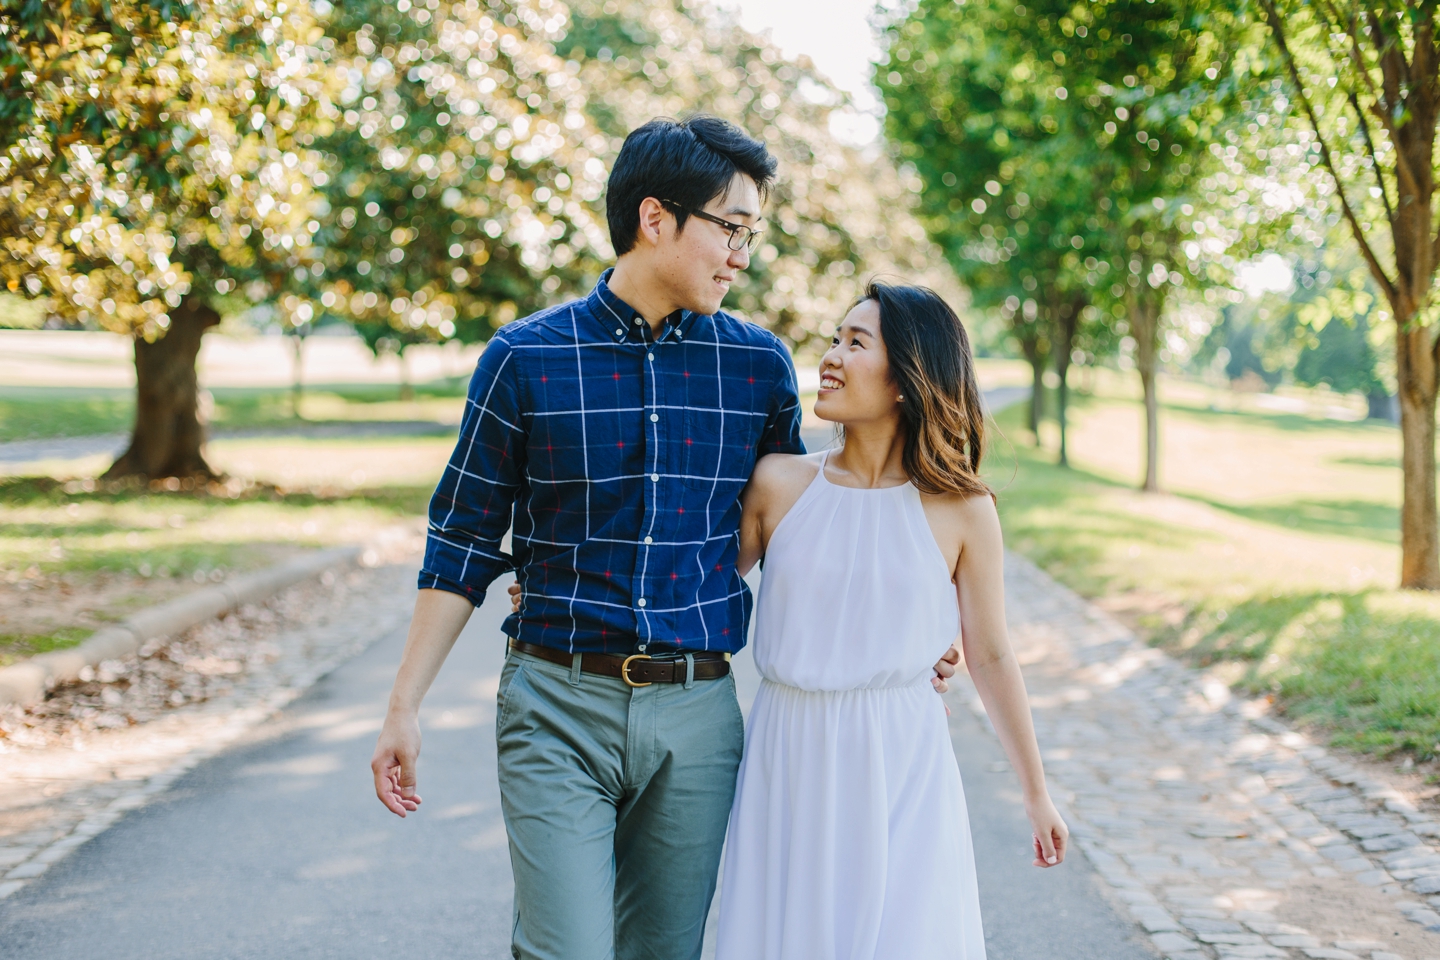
x=919, y=683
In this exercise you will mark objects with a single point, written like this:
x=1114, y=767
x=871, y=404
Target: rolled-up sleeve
x=471, y=508
x=782, y=418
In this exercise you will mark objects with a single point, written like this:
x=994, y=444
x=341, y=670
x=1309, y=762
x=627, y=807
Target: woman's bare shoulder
x=779, y=472
x=970, y=512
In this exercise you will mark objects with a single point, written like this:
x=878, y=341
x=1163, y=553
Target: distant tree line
x=1094, y=171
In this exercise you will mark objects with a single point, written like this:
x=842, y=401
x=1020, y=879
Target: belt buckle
x=625, y=669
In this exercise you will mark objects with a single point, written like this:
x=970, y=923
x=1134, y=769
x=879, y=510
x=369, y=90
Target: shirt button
x=654, y=478
x=649, y=540
x=654, y=418
x=649, y=356
x=642, y=601
x=637, y=321
x=619, y=331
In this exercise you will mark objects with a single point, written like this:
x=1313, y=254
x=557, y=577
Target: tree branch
x=1374, y=160
x=1273, y=20
x=1383, y=107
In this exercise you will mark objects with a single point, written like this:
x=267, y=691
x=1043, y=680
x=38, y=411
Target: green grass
x=1271, y=561
x=78, y=552
x=15, y=646
x=1365, y=664
x=42, y=412
x=37, y=412
x=48, y=527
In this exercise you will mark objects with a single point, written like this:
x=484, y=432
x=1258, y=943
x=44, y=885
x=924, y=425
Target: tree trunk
x=1145, y=306
x=297, y=385
x=1419, y=544
x=407, y=392
x=1066, y=324
x=1035, y=354
x=169, y=433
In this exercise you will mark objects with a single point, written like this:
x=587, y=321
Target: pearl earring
x=900, y=399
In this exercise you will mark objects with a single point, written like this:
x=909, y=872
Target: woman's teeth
x=829, y=383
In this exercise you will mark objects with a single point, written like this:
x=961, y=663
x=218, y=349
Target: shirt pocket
x=718, y=449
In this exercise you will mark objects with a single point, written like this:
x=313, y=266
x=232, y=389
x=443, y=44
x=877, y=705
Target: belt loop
x=689, y=670
x=575, y=669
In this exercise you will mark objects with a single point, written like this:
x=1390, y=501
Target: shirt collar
x=622, y=320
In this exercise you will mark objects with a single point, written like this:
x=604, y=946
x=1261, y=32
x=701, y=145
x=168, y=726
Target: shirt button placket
x=651, y=397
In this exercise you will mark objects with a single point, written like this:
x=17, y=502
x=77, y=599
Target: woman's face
x=855, y=384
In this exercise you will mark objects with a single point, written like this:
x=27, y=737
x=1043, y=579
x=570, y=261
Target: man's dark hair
x=689, y=161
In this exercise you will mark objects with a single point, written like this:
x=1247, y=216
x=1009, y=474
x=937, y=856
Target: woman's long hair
x=930, y=362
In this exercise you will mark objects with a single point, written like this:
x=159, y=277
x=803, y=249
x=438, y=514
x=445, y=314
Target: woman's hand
x=1051, y=836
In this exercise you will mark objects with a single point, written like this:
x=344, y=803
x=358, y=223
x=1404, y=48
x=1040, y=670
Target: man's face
x=696, y=264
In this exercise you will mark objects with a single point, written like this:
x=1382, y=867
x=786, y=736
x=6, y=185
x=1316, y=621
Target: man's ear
x=653, y=216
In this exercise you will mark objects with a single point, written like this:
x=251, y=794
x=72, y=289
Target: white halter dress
x=849, y=838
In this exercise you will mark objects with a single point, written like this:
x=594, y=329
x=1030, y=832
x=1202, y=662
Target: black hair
x=690, y=162
x=934, y=370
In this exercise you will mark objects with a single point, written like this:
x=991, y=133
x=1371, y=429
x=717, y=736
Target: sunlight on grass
x=1274, y=555
x=41, y=412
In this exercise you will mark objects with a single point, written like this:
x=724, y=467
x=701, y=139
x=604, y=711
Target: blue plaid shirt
x=621, y=456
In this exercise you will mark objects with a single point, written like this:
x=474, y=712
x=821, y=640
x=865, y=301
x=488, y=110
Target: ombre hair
x=931, y=364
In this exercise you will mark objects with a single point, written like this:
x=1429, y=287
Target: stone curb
x=27, y=682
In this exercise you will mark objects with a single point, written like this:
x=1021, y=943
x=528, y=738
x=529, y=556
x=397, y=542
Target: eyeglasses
x=740, y=235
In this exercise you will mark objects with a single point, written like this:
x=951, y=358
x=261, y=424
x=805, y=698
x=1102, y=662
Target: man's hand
x=394, y=764
x=514, y=591
x=945, y=669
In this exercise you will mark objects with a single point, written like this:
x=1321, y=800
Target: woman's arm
x=980, y=583
x=776, y=483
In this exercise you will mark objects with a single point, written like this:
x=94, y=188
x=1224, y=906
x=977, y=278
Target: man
x=619, y=430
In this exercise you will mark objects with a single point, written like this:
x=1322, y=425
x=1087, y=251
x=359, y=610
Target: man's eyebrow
x=740, y=212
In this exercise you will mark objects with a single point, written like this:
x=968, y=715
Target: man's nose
x=740, y=259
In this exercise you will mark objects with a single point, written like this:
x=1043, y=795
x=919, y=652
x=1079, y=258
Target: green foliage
x=464, y=179
x=156, y=140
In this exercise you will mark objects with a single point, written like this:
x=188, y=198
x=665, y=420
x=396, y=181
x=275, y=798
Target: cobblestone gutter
x=1224, y=833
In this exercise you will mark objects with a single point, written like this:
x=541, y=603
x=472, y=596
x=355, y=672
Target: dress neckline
x=840, y=486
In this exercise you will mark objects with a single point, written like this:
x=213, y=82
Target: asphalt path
x=278, y=848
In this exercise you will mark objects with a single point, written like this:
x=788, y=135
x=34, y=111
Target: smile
x=830, y=383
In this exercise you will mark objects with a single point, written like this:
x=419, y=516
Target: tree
x=146, y=152
x=465, y=178
x=1013, y=187
x=1367, y=80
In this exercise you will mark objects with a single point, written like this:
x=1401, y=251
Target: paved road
x=278, y=849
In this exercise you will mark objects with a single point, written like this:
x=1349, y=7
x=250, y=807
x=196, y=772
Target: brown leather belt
x=637, y=670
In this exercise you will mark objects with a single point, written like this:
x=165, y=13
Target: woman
x=848, y=838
